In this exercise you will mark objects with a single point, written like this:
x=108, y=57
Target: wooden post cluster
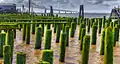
x=10, y=41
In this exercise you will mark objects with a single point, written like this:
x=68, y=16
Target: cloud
x=90, y=5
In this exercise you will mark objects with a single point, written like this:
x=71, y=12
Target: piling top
x=87, y=37
x=7, y=49
x=3, y=32
x=21, y=53
x=45, y=51
x=43, y=62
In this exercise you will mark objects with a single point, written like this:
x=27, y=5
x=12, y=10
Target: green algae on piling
x=2, y=42
x=103, y=23
x=38, y=36
x=28, y=33
x=21, y=58
x=85, y=51
x=47, y=55
x=108, y=53
x=62, y=47
x=24, y=32
x=82, y=36
x=80, y=30
x=33, y=28
x=88, y=27
x=67, y=35
x=102, y=42
x=43, y=62
x=58, y=33
x=115, y=35
x=117, y=32
x=7, y=54
x=72, y=29
x=94, y=34
x=48, y=37
x=99, y=25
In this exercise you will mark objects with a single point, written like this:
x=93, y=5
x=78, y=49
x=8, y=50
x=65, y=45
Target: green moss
x=14, y=30
x=94, y=34
x=62, y=47
x=67, y=35
x=48, y=37
x=43, y=62
x=102, y=42
x=55, y=28
x=115, y=35
x=58, y=33
x=42, y=25
x=28, y=34
x=109, y=40
x=2, y=42
x=103, y=23
x=21, y=58
x=33, y=28
x=24, y=32
x=117, y=32
x=82, y=35
x=10, y=41
x=48, y=26
x=85, y=51
x=47, y=55
x=111, y=24
x=88, y=27
x=7, y=54
x=38, y=35
x=81, y=26
x=106, y=25
x=99, y=25
x=72, y=29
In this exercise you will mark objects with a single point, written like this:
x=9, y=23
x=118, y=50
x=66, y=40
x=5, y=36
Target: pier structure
x=46, y=9
x=115, y=13
x=81, y=11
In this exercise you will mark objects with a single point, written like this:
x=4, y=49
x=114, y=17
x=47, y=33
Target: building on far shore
x=7, y=8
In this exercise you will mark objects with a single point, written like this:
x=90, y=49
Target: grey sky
x=90, y=5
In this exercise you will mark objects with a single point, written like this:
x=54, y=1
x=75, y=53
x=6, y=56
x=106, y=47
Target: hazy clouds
x=90, y=5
